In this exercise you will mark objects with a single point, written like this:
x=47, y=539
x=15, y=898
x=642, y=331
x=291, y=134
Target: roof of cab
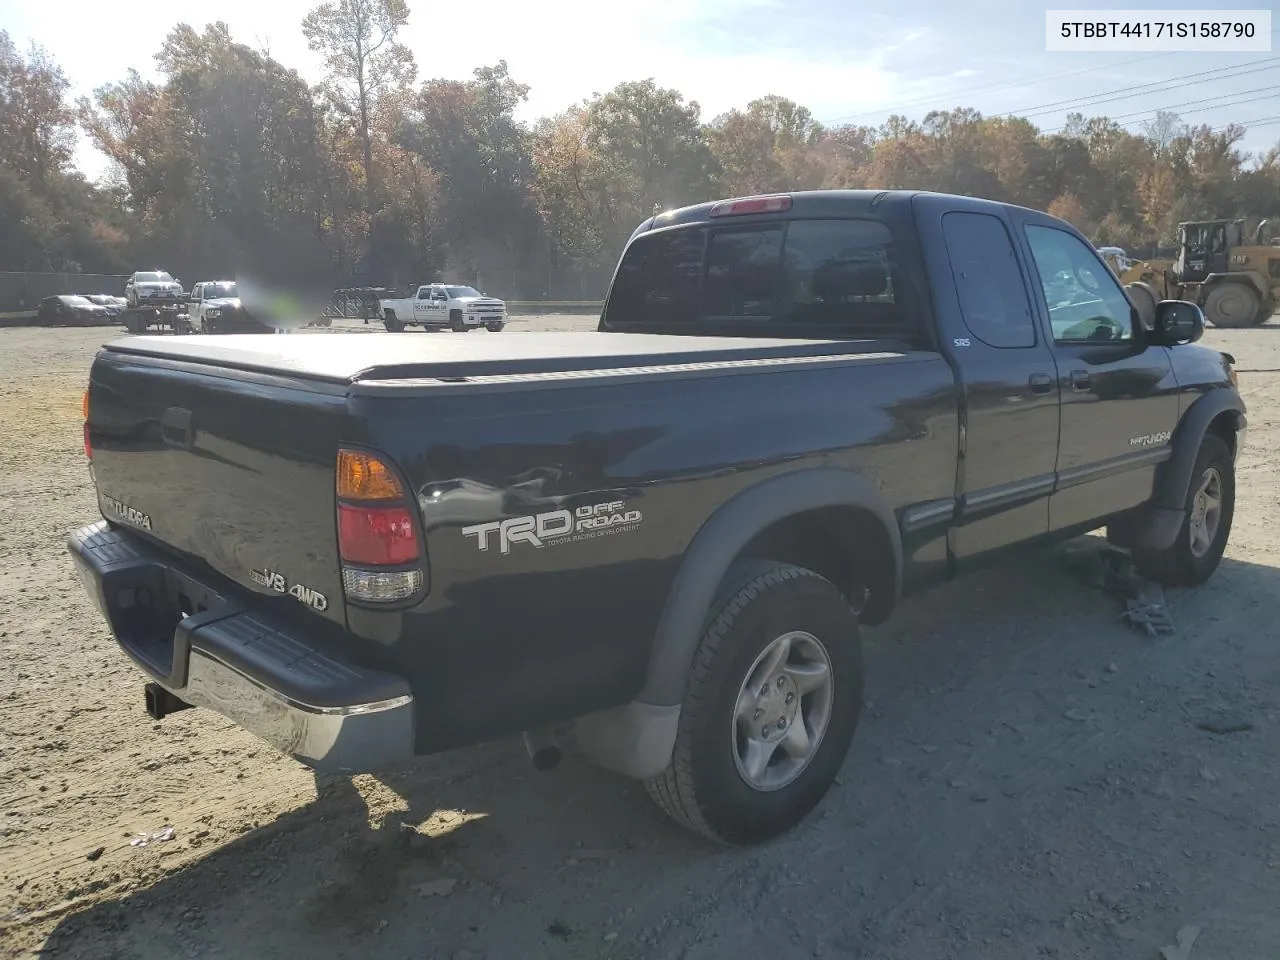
x=820, y=203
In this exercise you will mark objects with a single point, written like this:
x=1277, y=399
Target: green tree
x=467, y=134
x=357, y=39
x=648, y=152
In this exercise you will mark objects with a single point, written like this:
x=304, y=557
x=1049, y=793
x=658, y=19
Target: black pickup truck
x=652, y=543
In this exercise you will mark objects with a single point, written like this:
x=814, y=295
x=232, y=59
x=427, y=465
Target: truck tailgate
x=231, y=469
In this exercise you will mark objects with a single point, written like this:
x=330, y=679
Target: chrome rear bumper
x=299, y=695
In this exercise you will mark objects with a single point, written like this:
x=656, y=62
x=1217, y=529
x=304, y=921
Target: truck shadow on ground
x=996, y=715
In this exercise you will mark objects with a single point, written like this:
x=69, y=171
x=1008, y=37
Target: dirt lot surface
x=1031, y=777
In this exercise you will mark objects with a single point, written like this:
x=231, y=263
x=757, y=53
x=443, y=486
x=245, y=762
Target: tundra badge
x=1150, y=439
x=125, y=513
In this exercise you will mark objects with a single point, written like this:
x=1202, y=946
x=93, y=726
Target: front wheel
x=1232, y=305
x=770, y=709
x=495, y=326
x=1210, y=505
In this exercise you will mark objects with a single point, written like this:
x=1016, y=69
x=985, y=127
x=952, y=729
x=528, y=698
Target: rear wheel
x=1232, y=305
x=771, y=707
x=1210, y=506
x=392, y=322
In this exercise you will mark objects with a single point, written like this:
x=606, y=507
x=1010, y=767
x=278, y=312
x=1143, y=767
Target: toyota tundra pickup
x=654, y=543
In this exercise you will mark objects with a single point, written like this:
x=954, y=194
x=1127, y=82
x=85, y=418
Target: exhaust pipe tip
x=542, y=747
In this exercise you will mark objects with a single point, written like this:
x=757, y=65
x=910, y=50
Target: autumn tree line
x=234, y=163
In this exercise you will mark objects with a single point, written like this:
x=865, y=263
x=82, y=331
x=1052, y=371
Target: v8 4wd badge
x=276, y=581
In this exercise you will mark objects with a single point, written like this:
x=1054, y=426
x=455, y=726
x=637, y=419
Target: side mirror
x=1178, y=321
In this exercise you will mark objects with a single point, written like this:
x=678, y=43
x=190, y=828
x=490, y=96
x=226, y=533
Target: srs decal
x=556, y=527
x=276, y=581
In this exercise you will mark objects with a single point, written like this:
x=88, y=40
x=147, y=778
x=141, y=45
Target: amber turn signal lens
x=363, y=476
x=84, y=405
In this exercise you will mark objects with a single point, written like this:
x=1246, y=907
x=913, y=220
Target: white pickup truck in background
x=435, y=306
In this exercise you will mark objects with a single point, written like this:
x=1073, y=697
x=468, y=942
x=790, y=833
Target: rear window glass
x=802, y=277
x=658, y=279
x=742, y=272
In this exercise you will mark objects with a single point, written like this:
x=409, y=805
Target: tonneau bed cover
x=346, y=358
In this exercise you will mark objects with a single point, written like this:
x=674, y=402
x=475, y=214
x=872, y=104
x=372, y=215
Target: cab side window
x=993, y=297
x=1086, y=304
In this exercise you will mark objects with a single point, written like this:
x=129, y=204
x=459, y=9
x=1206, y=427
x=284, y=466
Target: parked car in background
x=216, y=308
x=150, y=287
x=435, y=306
x=114, y=305
x=71, y=308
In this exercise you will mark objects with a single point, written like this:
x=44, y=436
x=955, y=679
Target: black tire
x=1144, y=301
x=392, y=322
x=1232, y=305
x=1179, y=565
x=702, y=788
x=494, y=327
x=455, y=322
x=1266, y=310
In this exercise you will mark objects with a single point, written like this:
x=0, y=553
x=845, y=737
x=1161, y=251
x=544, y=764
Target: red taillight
x=88, y=449
x=383, y=557
x=737, y=208
x=381, y=536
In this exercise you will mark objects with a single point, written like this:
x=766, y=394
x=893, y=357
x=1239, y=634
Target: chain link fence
x=21, y=292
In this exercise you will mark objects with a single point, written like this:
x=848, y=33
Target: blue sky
x=844, y=60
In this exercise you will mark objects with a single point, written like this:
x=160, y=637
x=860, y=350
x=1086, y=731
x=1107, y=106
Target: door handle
x=1079, y=380
x=1040, y=383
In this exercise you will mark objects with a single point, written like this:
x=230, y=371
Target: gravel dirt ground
x=1031, y=778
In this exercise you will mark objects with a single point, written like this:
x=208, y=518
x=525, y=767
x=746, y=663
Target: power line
x=1026, y=81
x=1015, y=85
x=1159, y=86
x=1140, y=116
x=1250, y=124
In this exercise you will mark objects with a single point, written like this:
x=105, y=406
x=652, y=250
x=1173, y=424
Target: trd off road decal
x=556, y=527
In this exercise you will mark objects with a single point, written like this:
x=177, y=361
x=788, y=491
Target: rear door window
x=988, y=280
